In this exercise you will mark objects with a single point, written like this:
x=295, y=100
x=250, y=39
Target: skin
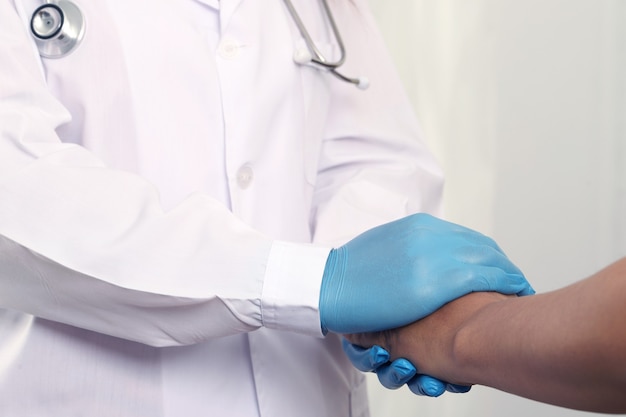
x=566, y=347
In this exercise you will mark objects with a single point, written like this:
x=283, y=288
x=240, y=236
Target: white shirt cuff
x=291, y=289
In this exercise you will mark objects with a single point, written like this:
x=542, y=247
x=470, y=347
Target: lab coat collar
x=211, y=3
x=227, y=9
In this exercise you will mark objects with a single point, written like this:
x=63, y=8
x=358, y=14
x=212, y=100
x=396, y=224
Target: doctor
x=171, y=186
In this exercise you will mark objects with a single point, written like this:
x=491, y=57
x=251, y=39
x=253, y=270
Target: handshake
x=382, y=281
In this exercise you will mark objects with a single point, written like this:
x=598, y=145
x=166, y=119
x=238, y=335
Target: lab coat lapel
x=211, y=3
x=227, y=9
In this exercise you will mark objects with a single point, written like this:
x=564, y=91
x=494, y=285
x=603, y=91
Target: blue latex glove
x=395, y=374
x=432, y=387
x=402, y=271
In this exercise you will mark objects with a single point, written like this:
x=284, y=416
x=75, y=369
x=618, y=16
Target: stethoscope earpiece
x=57, y=28
x=363, y=83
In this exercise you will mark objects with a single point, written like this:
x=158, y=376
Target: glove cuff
x=332, y=282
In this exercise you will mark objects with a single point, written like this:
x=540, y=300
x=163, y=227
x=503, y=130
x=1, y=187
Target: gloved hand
x=400, y=272
x=395, y=374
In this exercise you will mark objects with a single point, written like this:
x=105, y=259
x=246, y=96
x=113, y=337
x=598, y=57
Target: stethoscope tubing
x=317, y=57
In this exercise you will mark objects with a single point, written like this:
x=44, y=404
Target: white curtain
x=524, y=103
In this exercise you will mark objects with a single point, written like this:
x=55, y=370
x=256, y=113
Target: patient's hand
x=430, y=343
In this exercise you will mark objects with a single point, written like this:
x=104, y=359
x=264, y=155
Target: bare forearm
x=566, y=347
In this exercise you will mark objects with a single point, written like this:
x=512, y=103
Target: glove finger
x=529, y=290
x=492, y=278
x=477, y=239
x=496, y=280
x=365, y=359
x=395, y=374
x=482, y=255
x=458, y=389
x=427, y=385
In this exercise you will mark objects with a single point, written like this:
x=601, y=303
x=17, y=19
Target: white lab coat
x=159, y=190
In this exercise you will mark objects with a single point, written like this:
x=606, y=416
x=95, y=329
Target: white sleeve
x=90, y=246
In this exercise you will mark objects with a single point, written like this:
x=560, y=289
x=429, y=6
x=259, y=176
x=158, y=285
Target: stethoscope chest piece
x=57, y=28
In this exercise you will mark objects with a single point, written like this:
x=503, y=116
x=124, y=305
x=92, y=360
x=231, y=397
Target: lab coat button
x=244, y=177
x=228, y=48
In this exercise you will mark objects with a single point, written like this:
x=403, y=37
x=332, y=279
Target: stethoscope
x=315, y=57
x=58, y=27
